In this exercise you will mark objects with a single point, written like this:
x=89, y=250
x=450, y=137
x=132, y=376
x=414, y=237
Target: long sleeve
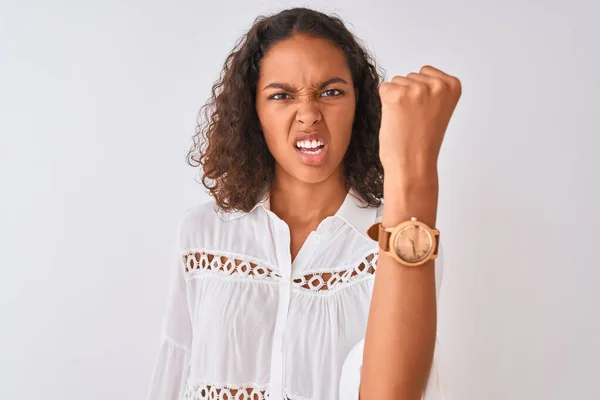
x=172, y=366
x=351, y=371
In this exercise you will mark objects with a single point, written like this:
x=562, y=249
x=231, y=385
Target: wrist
x=406, y=197
x=412, y=168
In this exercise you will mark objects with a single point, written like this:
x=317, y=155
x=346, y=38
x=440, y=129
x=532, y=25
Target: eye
x=333, y=90
x=274, y=97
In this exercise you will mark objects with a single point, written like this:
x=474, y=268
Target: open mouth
x=310, y=146
x=310, y=150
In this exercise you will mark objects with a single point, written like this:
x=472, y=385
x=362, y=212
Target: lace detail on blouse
x=335, y=280
x=229, y=392
x=197, y=262
x=201, y=262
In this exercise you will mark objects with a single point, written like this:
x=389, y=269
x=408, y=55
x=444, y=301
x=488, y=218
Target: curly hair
x=230, y=147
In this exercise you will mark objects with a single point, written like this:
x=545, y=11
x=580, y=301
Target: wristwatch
x=412, y=243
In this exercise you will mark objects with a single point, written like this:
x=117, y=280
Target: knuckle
x=454, y=83
x=397, y=95
x=458, y=86
x=391, y=93
x=438, y=86
x=418, y=91
x=397, y=79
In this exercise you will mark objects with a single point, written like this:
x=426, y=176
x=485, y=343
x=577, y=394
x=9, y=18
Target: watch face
x=413, y=243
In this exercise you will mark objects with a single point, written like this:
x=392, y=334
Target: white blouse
x=244, y=322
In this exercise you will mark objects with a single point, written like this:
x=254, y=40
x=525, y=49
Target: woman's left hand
x=416, y=110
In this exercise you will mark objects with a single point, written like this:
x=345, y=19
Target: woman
x=274, y=293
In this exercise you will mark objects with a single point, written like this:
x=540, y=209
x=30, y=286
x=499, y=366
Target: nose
x=308, y=113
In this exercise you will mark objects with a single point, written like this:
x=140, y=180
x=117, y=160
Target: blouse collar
x=352, y=212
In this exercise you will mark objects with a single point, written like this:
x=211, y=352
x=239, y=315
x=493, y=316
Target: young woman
x=274, y=294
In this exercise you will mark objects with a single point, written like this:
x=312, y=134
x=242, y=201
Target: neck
x=304, y=205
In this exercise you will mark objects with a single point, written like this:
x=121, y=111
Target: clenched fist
x=416, y=110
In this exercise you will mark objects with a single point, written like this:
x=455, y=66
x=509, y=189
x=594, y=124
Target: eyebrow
x=288, y=88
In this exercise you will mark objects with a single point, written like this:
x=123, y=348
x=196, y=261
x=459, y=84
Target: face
x=305, y=102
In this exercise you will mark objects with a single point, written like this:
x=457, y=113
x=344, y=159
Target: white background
x=98, y=102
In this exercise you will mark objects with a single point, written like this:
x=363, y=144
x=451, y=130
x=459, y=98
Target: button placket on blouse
x=282, y=241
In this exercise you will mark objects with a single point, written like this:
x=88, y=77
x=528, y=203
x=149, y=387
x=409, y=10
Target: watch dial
x=413, y=243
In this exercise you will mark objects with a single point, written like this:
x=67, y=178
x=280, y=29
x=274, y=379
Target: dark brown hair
x=230, y=147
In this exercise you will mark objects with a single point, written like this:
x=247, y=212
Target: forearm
x=401, y=328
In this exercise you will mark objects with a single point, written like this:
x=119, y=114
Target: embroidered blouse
x=245, y=322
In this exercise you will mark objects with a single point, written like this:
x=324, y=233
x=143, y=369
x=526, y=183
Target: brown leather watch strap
x=384, y=238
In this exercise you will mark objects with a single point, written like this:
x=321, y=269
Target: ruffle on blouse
x=171, y=371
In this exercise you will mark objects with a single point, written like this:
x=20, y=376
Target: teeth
x=308, y=144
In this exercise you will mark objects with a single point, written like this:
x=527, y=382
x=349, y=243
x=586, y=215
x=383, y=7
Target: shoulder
x=202, y=211
x=199, y=217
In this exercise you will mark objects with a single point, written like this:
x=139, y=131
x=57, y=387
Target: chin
x=307, y=170
x=311, y=174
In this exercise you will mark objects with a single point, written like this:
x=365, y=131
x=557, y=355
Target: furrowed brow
x=288, y=88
